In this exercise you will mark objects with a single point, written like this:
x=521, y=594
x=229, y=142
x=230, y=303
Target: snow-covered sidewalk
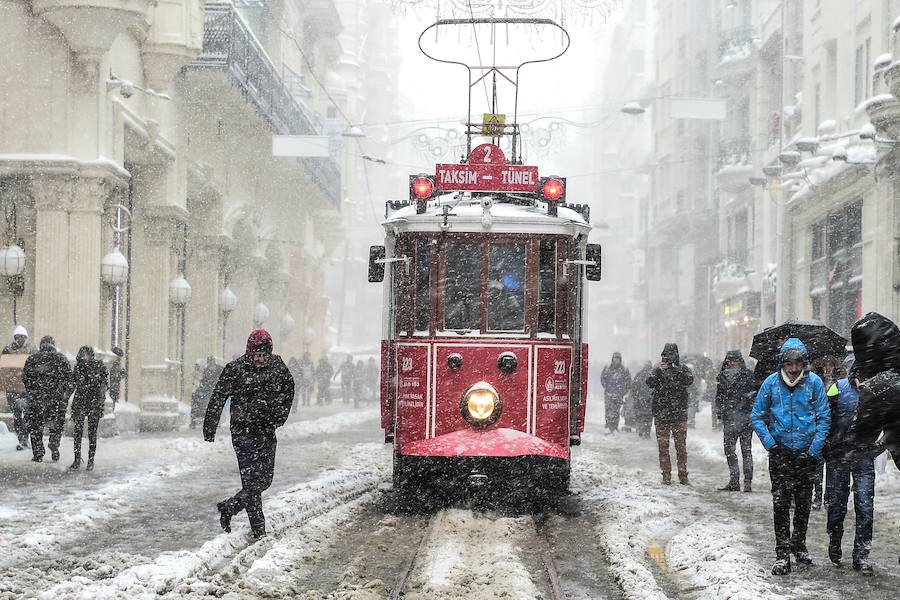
x=37, y=520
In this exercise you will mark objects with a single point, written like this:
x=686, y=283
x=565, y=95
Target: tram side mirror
x=376, y=269
x=593, y=255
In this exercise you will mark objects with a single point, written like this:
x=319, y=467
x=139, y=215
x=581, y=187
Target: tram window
x=547, y=283
x=506, y=287
x=462, y=286
x=423, y=277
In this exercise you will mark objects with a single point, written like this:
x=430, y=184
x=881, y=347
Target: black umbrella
x=819, y=339
x=703, y=365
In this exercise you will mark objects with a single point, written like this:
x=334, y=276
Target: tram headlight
x=481, y=405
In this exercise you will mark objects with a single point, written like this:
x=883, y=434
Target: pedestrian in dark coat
x=91, y=381
x=734, y=401
x=670, y=381
x=791, y=418
x=324, y=373
x=18, y=401
x=117, y=375
x=616, y=381
x=848, y=456
x=200, y=397
x=347, y=373
x=49, y=382
x=308, y=378
x=641, y=401
x=261, y=390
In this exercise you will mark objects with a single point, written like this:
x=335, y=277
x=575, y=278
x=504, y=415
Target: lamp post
x=179, y=295
x=12, y=256
x=227, y=303
x=260, y=314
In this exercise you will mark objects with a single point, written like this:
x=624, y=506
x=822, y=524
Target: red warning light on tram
x=553, y=188
x=421, y=187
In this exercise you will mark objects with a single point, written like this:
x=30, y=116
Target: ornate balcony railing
x=229, y=45
x=735, y=151
x=736, y=44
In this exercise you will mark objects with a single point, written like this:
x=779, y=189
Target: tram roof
x=466, y=216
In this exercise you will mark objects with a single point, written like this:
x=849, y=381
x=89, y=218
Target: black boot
x=803, y=558
x=782, y=566
x=77, y=464
x=732, y=486
x=834, y=549
x=90, y=464
x=863, y=566
x=224, y=516
x=54, y=455
x=37, y=459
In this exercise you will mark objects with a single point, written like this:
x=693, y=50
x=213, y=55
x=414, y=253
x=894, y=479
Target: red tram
x=483, y=365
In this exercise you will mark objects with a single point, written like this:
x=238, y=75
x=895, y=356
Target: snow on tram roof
x=467, y=214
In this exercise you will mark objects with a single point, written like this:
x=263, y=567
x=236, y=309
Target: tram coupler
x=477, y=480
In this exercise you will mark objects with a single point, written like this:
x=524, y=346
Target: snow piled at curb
x=286, y=510
x=641, y=514
x=712, y=557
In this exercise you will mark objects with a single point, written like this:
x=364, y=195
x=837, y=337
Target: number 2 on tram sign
x=486, y=171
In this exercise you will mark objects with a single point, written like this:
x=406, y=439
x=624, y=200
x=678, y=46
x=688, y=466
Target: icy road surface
x=144, y=525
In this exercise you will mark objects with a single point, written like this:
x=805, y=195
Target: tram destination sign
x=486, y=178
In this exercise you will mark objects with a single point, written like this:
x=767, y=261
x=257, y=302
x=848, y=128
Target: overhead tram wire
x=487, y=96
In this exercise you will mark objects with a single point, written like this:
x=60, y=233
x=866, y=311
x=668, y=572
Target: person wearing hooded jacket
x=47, y=378
x=640, y=401
x=261, y=389
x=734, y=401
x=91, y=380
x=18, y=401
x=848, y=456
x=791, y=417
x=616, y=380
x=876, y=348
x=669, y=383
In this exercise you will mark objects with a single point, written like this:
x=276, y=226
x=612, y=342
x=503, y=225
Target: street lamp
x=179, y=291
x=260, y=314
x=114, y=268
x=633, y=108
x=287, y=324
x=12, y=261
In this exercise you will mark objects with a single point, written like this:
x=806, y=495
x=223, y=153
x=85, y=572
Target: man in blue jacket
x=791, y=418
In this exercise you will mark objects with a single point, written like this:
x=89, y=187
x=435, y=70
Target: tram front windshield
x=505, y=280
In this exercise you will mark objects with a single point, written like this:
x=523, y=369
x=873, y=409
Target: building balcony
x=230, y=47
x=735, y=164
x=736, y=54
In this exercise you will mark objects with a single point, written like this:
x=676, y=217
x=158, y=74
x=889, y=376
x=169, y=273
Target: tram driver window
x=423, y=292
x=547, y=283
x=506, y=287
x=462, y=286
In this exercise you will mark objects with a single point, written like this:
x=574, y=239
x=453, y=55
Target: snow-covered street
x=144, y=525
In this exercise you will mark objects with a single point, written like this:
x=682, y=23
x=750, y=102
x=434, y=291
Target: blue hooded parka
x=798, y=418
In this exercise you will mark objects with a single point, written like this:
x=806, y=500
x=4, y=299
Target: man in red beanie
x=261, y=390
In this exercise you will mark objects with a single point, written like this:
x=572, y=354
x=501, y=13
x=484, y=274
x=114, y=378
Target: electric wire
x=487, y=97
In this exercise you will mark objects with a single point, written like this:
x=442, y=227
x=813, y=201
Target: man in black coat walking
x=47, y=378
x=734, y=401
x=261, y=390
x=670, y=381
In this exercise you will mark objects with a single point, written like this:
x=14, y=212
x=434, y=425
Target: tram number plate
x=486, y=178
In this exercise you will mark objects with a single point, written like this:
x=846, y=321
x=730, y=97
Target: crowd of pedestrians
x=823, y=424
x=48, y=384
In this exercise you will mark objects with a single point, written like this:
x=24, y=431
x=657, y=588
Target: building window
x=836, y=267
